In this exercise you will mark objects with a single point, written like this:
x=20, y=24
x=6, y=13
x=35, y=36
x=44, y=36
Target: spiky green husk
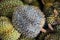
x=7, y=32
x=14, y=35
x=5, y=25
x=23, y=25
x=7, y=6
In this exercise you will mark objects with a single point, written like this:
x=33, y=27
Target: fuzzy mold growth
x=28, y=20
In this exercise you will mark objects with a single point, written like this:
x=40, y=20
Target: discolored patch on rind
x=28, y=20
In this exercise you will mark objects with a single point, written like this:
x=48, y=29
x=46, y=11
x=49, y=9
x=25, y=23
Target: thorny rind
x=29, y=20
x=47, y=11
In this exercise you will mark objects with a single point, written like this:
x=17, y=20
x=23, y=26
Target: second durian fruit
x=7, y=32
x=7, y=6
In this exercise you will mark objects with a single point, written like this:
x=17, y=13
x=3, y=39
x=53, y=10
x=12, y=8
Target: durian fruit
x=14, y=35
x=28, y=20
x=7, y=7
x=7, y=32
x=5, y=25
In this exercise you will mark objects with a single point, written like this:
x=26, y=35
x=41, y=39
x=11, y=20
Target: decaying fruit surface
x=28, y=20
x=7, y=6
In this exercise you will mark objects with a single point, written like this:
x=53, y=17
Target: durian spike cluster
x=7, y=6
x=7, y=32
x=29, y=20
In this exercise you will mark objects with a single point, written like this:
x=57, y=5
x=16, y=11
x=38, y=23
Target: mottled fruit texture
x=14, y=35
x=5, y=25
x=28, y=20
x=7, y=32
x=7, y=7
